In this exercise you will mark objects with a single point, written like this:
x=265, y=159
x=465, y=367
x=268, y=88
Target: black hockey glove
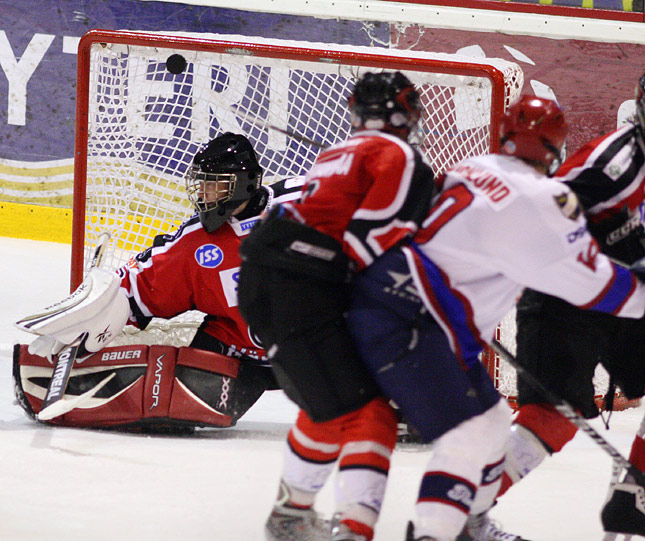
x=638, y=269
x=621, y=236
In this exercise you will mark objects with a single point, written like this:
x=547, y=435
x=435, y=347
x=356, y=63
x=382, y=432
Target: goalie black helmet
x=224, y=174
x=385, y=101
x=640, y=102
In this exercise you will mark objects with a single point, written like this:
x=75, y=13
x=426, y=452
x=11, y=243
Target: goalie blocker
x=154, y=387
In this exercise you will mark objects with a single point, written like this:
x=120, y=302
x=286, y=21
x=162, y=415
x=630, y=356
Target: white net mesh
x=145, y=123
x=148, y=114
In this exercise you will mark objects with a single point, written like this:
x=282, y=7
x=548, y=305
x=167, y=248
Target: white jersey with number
x=499, y=226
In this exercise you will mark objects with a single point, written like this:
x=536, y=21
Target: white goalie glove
x=98, y=307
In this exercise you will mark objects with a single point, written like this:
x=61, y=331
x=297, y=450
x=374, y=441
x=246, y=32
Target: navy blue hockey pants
x=409, y=355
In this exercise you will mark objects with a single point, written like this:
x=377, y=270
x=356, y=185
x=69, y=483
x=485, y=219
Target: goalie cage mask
x=224, y=174
x=385, y=101
x=534, y=129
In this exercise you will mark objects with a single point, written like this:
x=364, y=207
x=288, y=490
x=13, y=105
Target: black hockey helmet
x=640, y=102
x=385, y=101
x=224, y=174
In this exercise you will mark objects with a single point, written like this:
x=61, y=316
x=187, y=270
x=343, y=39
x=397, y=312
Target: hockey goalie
x=223, y=372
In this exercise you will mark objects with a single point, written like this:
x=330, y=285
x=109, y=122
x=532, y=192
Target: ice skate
x=624, y=511
x=482, y=528
x=294, y=524
x=409, y=534
x=341, y=532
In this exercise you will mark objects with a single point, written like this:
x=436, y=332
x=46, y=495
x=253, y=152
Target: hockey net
x=147, y=102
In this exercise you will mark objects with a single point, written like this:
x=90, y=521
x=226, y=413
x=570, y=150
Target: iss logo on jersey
x=209, y=256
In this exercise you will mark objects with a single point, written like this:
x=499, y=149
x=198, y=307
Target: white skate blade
x=614, y=537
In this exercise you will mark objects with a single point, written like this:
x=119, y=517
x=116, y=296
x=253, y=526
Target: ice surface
x=59, y=483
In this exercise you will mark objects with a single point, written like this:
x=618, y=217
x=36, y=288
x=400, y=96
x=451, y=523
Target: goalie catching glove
x=98, y=307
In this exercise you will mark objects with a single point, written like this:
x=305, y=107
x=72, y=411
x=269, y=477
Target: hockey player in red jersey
x=562, y=344
x=361, y=197
x=225, y=370
x=423, y=311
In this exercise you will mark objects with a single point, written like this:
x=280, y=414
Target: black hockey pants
x=293, y=292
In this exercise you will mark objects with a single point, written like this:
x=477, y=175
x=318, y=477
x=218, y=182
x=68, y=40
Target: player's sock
x=538, y=430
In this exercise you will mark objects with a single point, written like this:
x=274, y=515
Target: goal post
x=138, y=125
x=147, y=102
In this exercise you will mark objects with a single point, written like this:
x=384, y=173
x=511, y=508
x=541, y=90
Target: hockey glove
x=621, y=236
x=98, y=307
x=46, y=346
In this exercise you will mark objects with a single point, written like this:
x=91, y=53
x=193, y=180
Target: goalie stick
x=566, y=410
x=64, y=405
x=266, y=125
x=52, y=406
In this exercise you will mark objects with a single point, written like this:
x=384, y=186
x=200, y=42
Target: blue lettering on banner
x=209, y=256
x=38, y=49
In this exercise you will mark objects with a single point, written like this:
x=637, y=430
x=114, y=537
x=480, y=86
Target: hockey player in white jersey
x=423, y=312
x=562, y=345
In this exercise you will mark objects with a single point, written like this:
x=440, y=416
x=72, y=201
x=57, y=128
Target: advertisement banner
x=616, y=5
x=38, y=47
x=593, y=82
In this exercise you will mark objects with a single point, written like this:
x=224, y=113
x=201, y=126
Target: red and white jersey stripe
x=196, y=270
x=368, y=193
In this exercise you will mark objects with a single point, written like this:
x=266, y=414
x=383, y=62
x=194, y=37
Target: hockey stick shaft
x=60, y=376
x=99, y=251
x=264, y=124
x=66, y=357
x=566, y=410
x=296, y=136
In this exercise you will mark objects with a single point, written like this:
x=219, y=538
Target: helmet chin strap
x=556, y=162
x=640, y=132
x=254, y=206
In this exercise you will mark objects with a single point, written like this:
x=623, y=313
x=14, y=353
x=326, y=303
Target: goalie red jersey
x=213, y=382
x=366, y=193
x=197, y=270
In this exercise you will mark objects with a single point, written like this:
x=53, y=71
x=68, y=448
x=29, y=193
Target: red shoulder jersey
x=196, y=270
x=367, y=193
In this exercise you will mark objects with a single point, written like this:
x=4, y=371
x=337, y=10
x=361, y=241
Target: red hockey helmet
x=534, y=129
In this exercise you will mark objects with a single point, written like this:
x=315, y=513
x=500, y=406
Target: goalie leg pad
x=155, y=386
